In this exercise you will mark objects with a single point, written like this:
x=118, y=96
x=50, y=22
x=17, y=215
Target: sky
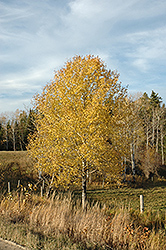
x=38, y=37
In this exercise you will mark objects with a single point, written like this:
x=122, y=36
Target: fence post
x=141, y=203
x=8, y=187
x=18, y=195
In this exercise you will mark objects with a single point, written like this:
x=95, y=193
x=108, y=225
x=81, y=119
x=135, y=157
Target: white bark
x=84, y=179
x=157, y=134
x=132, y=160
x=162, y=144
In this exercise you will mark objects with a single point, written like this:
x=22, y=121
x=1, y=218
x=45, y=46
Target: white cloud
x=147, y=48
x=37, y=37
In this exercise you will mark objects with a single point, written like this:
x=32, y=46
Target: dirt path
x=8, y=245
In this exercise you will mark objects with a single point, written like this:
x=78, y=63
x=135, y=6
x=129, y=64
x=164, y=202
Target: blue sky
x=37, y=37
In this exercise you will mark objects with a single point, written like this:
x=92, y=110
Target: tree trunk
x=147, y=138
x=162, y=144
x=84, y=195
x=50, y=186
x=7, y=142
x=21, y=148
x=14, y=140
x=84, y=179
x=103, y=182
x=132, y=160
x=157, y=135
x=90, y=178
x=125, y=170
x=153, y=128
x=123, y=163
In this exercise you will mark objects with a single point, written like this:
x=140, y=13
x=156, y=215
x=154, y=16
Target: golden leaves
x=74, y=119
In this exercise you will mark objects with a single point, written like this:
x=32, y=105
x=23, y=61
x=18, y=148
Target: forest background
x=139, y=141
x=146, y=123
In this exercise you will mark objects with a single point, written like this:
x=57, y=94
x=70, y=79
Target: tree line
x=15, y=128
x=146, y=128
x=86, y=123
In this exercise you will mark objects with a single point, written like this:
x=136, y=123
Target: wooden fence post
x=8, y=187
x=18, y=195
x=141, y=203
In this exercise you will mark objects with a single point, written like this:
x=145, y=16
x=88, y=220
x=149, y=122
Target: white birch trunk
x=162, y=144
x=147, y=138
x=153, y=128
x=14, y=140
x=84, y=179
x=157, y=134
x=84, y=195
x=132, y=160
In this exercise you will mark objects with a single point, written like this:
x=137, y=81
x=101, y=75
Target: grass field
x=154, y=196
x=15, y=166
x=60, y=223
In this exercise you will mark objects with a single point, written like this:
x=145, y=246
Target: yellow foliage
x=79, y=119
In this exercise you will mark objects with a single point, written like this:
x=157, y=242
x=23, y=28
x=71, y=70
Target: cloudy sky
x=37, y=37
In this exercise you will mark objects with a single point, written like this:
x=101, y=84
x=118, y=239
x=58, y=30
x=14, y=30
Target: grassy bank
x=111, y=221
x=60, y=223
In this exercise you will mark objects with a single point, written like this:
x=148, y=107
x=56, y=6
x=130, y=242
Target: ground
x=7, y=245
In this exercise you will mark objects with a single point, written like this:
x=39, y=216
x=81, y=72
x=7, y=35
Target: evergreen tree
x=2, y=137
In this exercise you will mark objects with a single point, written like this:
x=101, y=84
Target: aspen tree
x=163, y=132
x=132, y=131
x=77, y=122
x=151, y=114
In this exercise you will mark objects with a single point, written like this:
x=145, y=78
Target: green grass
x=16, y=166
x=154, y=197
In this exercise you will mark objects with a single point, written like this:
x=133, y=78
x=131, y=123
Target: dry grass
x=93, y=228
x=15, y=166
x=60, y=223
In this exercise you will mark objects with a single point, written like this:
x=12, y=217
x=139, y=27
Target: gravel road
x=7, y=245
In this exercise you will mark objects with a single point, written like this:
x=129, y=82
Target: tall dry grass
x=94, y=227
